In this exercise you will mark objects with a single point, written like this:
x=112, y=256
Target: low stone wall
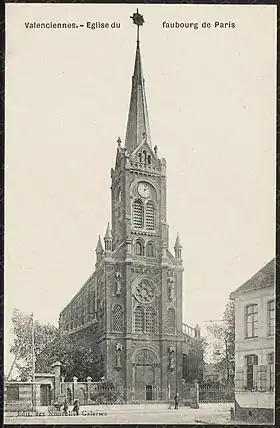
x=21, y=396
x=254, y=406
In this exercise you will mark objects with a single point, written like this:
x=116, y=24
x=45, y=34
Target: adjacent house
x=254, y=346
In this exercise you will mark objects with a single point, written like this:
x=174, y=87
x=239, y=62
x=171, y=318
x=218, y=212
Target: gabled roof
x=265, y=277
x=170, y=255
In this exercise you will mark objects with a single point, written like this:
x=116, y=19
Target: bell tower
x=147, y=285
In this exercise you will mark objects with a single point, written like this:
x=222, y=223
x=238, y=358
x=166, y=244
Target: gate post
x=57, y=367
x=89, y=379
x=194, y=392
x=75, y=380
x=62, y=386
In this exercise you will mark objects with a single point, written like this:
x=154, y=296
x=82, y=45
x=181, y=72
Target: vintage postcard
x=140, y=214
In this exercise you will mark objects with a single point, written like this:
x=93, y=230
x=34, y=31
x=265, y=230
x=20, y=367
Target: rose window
x=144, y=292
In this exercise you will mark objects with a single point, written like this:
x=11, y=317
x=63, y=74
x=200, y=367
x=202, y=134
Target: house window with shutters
x=271, y=371
x=251, y=321
x=150, y=216
x=271, y=317
x=139, y=319
x=117, y=318
x=170, y=321
x=150, y=320
x=138, y=214
x=251, y=362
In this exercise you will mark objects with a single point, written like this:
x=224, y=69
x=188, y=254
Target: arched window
x=138, y=214
x=89, y=303
x=118, y=202
x=170, y=321
x=117, y=318
x=139, y=248
x=145, y=156
x=150, y=320
x=150, y=250
x=93, y=308
x=150, y=216
x=251, y=361
x=251, y=321
x=139, y=319
x=149, y=159
x=140, y=157
x=82, y=316
x=75, y=316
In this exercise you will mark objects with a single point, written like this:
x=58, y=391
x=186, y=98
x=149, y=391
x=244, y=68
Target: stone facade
x=255, y=343
x=130, y=309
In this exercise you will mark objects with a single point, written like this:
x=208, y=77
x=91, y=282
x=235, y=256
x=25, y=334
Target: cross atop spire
x=137, y=20
x=138, y=122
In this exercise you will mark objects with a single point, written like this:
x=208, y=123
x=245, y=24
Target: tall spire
x=138, y=122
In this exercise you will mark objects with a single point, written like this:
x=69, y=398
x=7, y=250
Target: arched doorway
x=144, y=375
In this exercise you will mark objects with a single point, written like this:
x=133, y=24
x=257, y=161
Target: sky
x=211, y=102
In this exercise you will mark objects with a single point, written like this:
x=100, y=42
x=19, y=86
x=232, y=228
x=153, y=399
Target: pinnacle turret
x=99, y=248
x=108, y=234
x=178, y=248
x=108, y=239
x=99, y=251
x=178, y=242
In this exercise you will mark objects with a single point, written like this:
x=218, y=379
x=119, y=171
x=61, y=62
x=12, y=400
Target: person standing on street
x=76, y=407
x=176, y=400
x=65, y=407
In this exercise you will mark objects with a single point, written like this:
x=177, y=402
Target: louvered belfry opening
x=138, y=214
x=150, y=216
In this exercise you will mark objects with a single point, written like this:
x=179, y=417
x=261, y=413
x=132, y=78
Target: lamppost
x=169, y=397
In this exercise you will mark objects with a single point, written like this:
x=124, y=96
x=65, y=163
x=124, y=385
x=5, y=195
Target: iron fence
x=216, y=395
x=97, y=395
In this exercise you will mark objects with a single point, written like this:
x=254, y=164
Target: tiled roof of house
x=265, y=277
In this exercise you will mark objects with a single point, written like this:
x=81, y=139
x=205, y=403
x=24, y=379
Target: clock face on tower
x=144, y=190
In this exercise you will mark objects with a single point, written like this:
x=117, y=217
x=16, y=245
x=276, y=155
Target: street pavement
x=214, y=413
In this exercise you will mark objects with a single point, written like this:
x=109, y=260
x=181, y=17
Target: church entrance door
x=149, y=392
x=144, y=381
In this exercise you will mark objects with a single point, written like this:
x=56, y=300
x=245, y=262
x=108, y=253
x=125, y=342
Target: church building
x=130, y=309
